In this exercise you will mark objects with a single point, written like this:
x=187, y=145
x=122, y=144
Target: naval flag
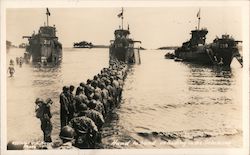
x=48, y=13
x=120, y=14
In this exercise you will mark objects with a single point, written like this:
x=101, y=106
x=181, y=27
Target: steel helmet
x=67, y=133
x=92, y=104
x=39, y=100
x=83, y=107
x=71, y=88
x=65, y=88
x=82, y=84
x=80, y=88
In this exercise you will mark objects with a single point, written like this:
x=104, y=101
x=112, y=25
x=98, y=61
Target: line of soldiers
x=83, y=114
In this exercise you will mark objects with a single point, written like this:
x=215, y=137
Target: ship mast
x=47, y=14
x=199, y=18
x=122, y=18
x=120, y=15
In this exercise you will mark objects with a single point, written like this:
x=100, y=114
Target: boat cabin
x=47, y=31
x=198, y=37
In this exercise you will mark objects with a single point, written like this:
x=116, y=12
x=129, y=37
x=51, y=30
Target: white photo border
x=163, y=3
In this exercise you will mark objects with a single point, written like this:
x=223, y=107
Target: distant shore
x=168, y=48
x=99, y=46
x=94, y=46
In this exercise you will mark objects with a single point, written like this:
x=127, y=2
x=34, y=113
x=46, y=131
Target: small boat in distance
x=220, y=52
x=83, y=44
x=122, y=47
x=44, y=46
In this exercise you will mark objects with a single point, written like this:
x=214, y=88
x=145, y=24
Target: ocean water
x=165, y=104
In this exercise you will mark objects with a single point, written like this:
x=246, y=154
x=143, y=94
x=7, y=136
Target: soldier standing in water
x=44, y=114
x=85, y=128
x=11, y=68
x=64, y=106
x=71, y=99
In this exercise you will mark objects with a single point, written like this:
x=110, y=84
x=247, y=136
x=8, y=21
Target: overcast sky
x=155, y=27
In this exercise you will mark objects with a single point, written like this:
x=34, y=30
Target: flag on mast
x=48, y=13
x=198, y=14
x=120, y=14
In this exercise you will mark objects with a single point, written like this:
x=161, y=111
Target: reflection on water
x=30, y=82
x=162, y=100
x=167, y=101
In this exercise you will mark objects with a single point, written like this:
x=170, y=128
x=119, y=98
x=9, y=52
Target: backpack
x=39, y=112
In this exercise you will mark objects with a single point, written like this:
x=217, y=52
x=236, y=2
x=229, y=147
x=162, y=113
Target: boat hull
x=226, y=55
x=124, y=54
x=206, y=56
x=196, y=57
x=49, y=53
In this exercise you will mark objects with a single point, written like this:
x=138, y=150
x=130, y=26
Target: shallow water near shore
x=165, y=104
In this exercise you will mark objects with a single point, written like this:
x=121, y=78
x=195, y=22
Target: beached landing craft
x=122, y=48
x=44, y=47
x=220, y=52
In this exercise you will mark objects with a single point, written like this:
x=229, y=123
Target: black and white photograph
x=157, y=76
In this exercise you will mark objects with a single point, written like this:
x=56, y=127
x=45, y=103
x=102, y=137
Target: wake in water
x=189, y=134
x=177, y=139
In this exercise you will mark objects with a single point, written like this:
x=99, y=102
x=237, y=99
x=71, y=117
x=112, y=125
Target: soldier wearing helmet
x=99, y=105
x=80, y=98
x=39, y=102
x=85, y=129
x=67, y=135
x=105, y=96
x=44, y=114
x=95, y=115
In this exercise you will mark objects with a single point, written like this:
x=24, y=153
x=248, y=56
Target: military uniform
x=82, y=97
x=111, y=96
x=96, y=117
x=116, y=85
x=64, y=111
x=46, y=127
x=100, y=107
x=105, y=96
x=86, y=131
x=98, y=92
x=44, y=114
x=71, y=106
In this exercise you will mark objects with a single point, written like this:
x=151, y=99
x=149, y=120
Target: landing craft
x=122, y=48
x=44, y=47
x=220, y=52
